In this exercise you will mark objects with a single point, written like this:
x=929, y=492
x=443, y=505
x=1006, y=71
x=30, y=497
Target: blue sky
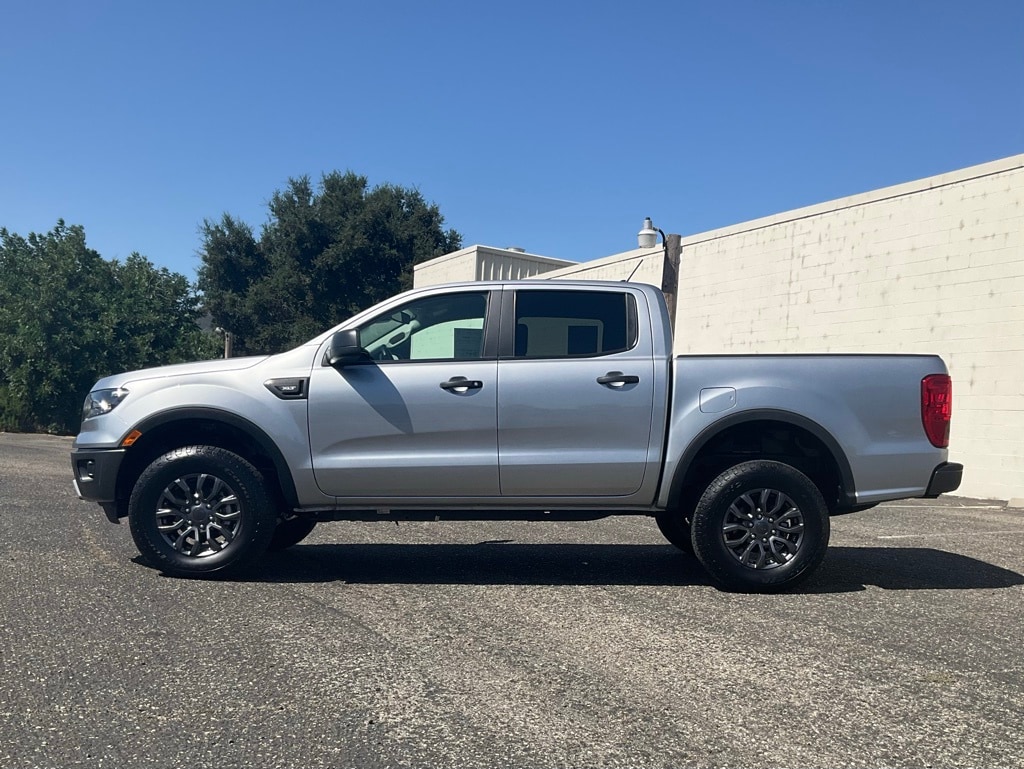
x=555, y=126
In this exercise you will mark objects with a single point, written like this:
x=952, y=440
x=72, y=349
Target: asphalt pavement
x=589, y=644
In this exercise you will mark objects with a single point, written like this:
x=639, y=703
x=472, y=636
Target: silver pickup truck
x=524, y=400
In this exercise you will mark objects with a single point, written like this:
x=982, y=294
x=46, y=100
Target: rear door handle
x=616, y=378
x=461, y=384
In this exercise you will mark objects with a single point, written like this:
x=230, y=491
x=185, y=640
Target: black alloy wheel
x=201, y=510
x=760, y=526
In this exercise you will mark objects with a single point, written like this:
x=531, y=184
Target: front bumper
x=94, y=472
x=945, y=477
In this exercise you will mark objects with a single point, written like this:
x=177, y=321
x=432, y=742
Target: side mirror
x=344, y=349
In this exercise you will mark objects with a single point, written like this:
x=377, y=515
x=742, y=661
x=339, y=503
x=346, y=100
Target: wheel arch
x=180, y=427
x=765, y=434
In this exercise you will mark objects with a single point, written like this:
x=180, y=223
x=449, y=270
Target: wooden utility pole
x=670, y=274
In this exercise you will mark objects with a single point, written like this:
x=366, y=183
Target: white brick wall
x=643, y=264
x=931, y=266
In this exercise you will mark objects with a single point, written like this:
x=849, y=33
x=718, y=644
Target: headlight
x=100, y=402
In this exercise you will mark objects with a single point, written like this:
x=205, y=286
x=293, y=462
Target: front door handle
x=460, y=384
x=617, y=379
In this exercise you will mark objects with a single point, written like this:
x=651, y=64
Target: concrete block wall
x=932, y=266
x=644, y=265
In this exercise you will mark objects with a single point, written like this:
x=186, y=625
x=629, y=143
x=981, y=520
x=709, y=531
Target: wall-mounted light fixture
x=648, y=236
x=672, y=246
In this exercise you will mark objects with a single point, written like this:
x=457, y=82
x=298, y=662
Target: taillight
x=937, y=408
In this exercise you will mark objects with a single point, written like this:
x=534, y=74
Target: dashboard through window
x=572, y=324
x=443, y=327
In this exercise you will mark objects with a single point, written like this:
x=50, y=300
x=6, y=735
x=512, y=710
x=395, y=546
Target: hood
x=179, y=369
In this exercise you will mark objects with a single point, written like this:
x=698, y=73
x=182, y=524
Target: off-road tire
x=760, y=527
x=201, y=511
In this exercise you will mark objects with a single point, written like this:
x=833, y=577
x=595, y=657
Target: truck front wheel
x=760, y=527
x=201, y=510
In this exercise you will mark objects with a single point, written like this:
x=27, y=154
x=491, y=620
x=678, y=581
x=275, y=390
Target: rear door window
x=573, y=324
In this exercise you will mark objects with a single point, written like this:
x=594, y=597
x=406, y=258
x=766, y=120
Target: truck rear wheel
x=201, y=510
x=760, y=527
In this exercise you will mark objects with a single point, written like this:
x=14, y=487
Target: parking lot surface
x=505, y=645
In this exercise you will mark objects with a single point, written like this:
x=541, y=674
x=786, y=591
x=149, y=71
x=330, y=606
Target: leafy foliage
x=323, y=255
x=69, y=317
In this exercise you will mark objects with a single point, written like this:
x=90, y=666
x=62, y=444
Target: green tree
x=69, y=317
x=324, y=254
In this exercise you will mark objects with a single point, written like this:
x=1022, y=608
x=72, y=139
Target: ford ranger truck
x=518, y=400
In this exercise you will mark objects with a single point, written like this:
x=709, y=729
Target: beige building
x=484, y=263
x=934, y=266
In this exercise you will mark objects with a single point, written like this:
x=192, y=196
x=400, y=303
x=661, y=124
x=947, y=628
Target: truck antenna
x=634, y=270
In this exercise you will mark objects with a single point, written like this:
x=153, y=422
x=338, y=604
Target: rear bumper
x=945, y=477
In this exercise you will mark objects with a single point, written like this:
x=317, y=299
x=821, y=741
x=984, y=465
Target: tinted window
x=445, y=327
x=557, y=324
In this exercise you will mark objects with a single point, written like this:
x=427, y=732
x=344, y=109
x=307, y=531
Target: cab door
x=576, y=391
x=420, y=418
